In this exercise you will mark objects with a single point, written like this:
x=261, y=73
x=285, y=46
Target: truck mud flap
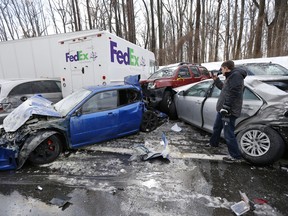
x=31, y=144
x=7, y=159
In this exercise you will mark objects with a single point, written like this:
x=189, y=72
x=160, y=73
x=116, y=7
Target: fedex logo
x=79, y=56
x=128, y=58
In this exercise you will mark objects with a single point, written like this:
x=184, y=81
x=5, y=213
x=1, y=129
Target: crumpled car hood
x=35, y=105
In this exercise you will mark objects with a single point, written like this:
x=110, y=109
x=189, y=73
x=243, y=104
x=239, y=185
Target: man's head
x=227, y=66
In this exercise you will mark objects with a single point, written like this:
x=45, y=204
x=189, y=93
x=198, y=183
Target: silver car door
x=189, y=106
x=209, y=109
x=251, y=104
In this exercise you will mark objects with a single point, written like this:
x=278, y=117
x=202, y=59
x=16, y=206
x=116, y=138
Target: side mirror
x=78, y=112
x=181, y=93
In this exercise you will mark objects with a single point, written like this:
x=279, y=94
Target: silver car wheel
x=255, y=143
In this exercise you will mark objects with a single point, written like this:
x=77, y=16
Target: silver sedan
x=262, y=128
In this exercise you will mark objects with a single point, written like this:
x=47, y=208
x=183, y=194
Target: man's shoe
x=230, y=159
x=208, y=145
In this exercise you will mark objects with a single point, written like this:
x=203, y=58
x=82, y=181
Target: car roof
x=6, y=85
x=109, y=87
x=257, y=83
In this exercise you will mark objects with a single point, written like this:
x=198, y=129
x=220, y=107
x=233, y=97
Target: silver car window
x=198, y=90
x=249, y=95
x=47, y=86
x=21, y=89
x=215, y=92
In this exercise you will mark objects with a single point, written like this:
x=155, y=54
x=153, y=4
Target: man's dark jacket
x=231, y=95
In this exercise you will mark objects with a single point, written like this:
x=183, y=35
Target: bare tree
x=259, y=30
x=238, y=47
x=131, y=21
x=217, y=30
x=197, y=33
x=153, y=36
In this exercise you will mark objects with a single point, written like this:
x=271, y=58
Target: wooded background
x=195, y=31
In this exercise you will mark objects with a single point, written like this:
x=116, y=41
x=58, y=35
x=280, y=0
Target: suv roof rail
x=183, y=63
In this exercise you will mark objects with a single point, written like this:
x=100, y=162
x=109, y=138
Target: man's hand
x=225, y=111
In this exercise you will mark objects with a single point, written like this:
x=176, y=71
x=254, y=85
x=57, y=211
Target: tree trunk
x=197, y=33
x=153, y=37
x=238, y=47
x=259, y=31
x=217, y=30
x=160, y=34
x=131, y=21
x=227, y=33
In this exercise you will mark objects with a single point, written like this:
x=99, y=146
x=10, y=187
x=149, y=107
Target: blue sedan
x=39, y=131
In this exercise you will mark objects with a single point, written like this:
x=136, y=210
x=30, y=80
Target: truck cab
x=157, y=89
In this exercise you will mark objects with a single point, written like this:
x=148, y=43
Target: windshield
x=267, y=69
x=164, y=72
x=71, y=101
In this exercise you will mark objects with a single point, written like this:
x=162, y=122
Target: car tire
x=167, y=105
x=149, y=121
x=260, y=145
x=47, y=151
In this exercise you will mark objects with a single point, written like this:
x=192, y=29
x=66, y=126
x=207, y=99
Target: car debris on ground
x=243, y=206
x=142, y=152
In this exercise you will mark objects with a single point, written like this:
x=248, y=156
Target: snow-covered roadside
x=282, y=60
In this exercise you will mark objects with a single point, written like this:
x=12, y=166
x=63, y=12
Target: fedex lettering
x=128, y=58
x=78, y=57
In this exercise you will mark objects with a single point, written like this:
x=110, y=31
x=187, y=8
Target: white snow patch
x=151, y=183
x=282, y=60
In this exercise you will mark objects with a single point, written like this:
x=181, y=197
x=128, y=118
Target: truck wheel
x=149, y=121
x=167, y=105
x=260, y=145
x=47, y=151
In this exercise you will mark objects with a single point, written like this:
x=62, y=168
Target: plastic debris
x=176, y=128
x=61, y=202
x=243, y=206
x=260, y=201
x=240, y=208
x=283, y=167
x=39, y=188
x=143, y=153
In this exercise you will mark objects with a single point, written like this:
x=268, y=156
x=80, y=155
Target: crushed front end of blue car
x=28, y=131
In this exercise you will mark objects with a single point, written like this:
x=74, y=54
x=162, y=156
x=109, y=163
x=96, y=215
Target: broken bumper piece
x=7, y=159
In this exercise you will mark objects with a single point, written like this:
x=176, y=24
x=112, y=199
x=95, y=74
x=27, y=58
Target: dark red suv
x=157, y=89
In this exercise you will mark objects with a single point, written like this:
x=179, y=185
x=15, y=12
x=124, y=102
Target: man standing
x=228, y=108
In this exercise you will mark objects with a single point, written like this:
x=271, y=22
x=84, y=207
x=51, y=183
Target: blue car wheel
x=149, y=121
x=47, y=151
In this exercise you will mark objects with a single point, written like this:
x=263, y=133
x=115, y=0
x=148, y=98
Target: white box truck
x=36, y=57
x=82, y=58
x=101, y=58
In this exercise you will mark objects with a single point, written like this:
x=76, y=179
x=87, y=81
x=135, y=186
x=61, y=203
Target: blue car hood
x=35, y=105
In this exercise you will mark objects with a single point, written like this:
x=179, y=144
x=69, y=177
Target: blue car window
x=101, y=101
x=128, y=96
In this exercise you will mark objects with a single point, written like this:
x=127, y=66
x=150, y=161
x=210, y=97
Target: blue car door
x=130, y=111
x=96, y=120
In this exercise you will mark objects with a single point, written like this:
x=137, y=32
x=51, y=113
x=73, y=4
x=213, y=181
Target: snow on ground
x=282, y=60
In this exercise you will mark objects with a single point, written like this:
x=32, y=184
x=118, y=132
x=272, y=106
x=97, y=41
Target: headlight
x=151, y=85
